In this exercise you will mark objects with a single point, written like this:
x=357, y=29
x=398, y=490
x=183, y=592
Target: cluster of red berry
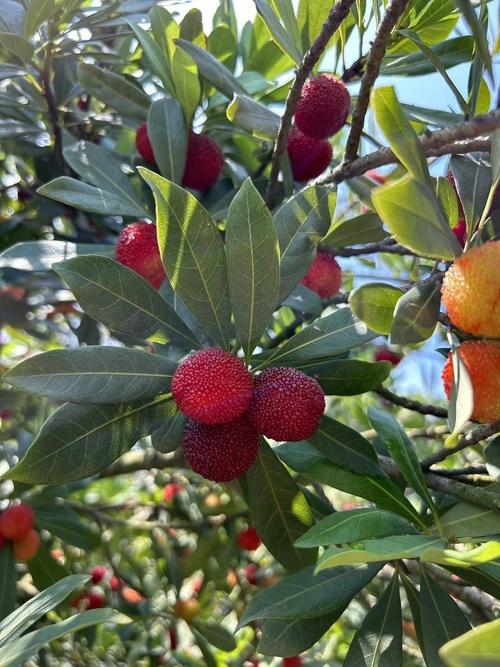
x=17, y=525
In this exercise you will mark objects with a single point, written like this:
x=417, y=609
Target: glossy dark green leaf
x=12, y=17
x=114, y=90
x=37, y=13
x=451, y=52
x=473, y=182
x=19, y=46
x=279, y=509
x=41, y=255
x=7, y=581
x=448, y=198
x=374, y=304
x=279, y=33
x=222, y=44
x=416, y=314
x=46, y=570
x=212, y=70
x=192, y=252
x=168, y=437
x=158, y=61
x=217, y=635
x=253, y=117
x=348, y=377
x=63, y=522
x=364, y=228
x=285, y=636
x=478, y=30
x=206, y=651
x=167, y=132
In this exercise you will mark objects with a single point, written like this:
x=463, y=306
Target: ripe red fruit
x=77, y=600
x=137, y=248
x=482, y=360
x=143, y=143
x=293, y=661
x=94, y=600
x=251, y=573
x=115, y=583
x=375, y=176
x=170, y=491
x=212, y=386
x=132, y=596
x=204, y=162
x=221, y=452
x=249, y=539
x=17, y=521
x=287, y=404
x=308, y=157
x=172, y=635
x=323, y=107
x=384, y=354
x=98, y=573
x=27, y=546
x=324, y=276
x=5, y=414
x=3, y=542
x=460, y=231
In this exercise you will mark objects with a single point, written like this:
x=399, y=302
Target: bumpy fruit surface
x=212, y=386
x=221, y=452
x=308, y=157
x=171, y=491
x=384, y=354
x=482, y=360
x=27, y=547
x=324, y=276
x=137, y=248
x=98, y=573
x=471, y=290
x=287, y=404
x=187, y=609
x=204, y=162
x=143, y=143
x=249, y=539
x=323, y=107
x=17, y=521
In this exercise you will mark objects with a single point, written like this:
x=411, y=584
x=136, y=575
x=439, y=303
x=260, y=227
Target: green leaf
x=473, y=182
x=451, y=52
x=413, y=214
x=168, y=135
x=217, y=635
x=253, y=265
x=461, y=404
x=307, y=595
x=286, y=12
x=222, y=44
x=19, y=46
x=89, y=198
x=479, y=32
x=279, y=509
x=486, y=552
x=253, y=117
x=17, y=652
x=7, y=583
x=416, y=314
x=374, y=304
x=31, y=611
x=206, y=652
x=399, y=132
x=40, y=255
x=486, y=577
x=95, y=374
x=364, y=228
x=212, y=70
x=101, y=432
x=37, y=13
x=186, y=82
x=448, y=198
x=285, y=636
x=193, y=255
x=402, y=451
x=353, y=526
x=379, y=639
x=348, y=377
x=155, y=56
x=301, y=223
x=46, y=570
x=467, y=520
x=441, y=619
x=122, y=300
x=12, y=17
x=480, y=647
x=114, y=90
x=168, y=437
x=62, y=521
x=280, y=35
x=103, y=168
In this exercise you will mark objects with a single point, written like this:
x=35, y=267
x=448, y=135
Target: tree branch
x=144, y=460
x=394, y=11
x=471, y=438
x=337, y=14
x=369, y=249
x=408, y=403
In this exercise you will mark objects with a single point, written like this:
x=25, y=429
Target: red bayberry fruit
x=78, y=600
x=143, y=143
x=170, y=491
x=132, y=596
x=384, y=354
x=94, y=600
x=308, y=157
x=172, y=636
x=287, y=404
x=251, y=573
x=324, y=276
x=115, y=583
x=375, y=176
x=5, y=414
x=460, y=231
x=83, y=102
x=221, y=452
x=17, y=521
x=3, y=541
x=27, y=546
x=204, y=162
x=292, y=661
x=137, y=248
x=212, y=386
x=98, y=573
x=323, y=107
x=249, y=539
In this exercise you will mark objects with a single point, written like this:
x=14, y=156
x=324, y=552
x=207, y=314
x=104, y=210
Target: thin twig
x=410, y=404
x=394, y=11
x=369, y=249
x=337, y=14
x=471, y=438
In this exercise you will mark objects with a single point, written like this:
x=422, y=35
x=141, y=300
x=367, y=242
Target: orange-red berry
x=17, y=521
x=27, y=546
x=171, y=491
x=137, y=248
x=324, y=276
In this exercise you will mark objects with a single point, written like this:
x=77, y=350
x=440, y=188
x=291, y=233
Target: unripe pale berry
x=137, y=248
x=324, y=276
x=384, y=354
x=187, y=609
x=212, y=386
x=221, y=452
x=308, y=157
x=204, y=162
x=27, y=547
x=471, y=290
x=287, y=404
x=482, y=360
x=249, y=539
x=17, y=521
x=323, y=107
x=143, y=143
x=98, y=572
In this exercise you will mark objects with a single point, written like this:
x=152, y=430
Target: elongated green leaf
x=62, y=521
x=45, y=570
x=416, y=314
x=412, y=212
x=480, y=647
x=154, y=54
x=253, y=117
x=279, y=509
x=103, y=168
x=122, y=300
x=466, y=520
x=364, y=228
x=37, y=13
x=216, y=635
x=12, y=17
x=7, y=582
x=461, y=404
x=17, y=652
x=451, y=52
x=89, y=198
x=489, y=551
x=222, y=44
x=348, y=377
x=305, y=594
x=280, y=35
x=286, y=636
x=486, y=576
x=19, y=46
x=168, y=437
x=442, y=619
x=95, y=374
x=40, y=255
x=19, y=621
x=203, y=645
x=114, y=90
x=78, y=441
x=354, y=525
x=253, y=265
x=379, y=639
x=473, y=182
x=168, y=135
x=479, y=32
x=374, y=303
x=301, y=223
x=186, y=82
x=193, y=255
